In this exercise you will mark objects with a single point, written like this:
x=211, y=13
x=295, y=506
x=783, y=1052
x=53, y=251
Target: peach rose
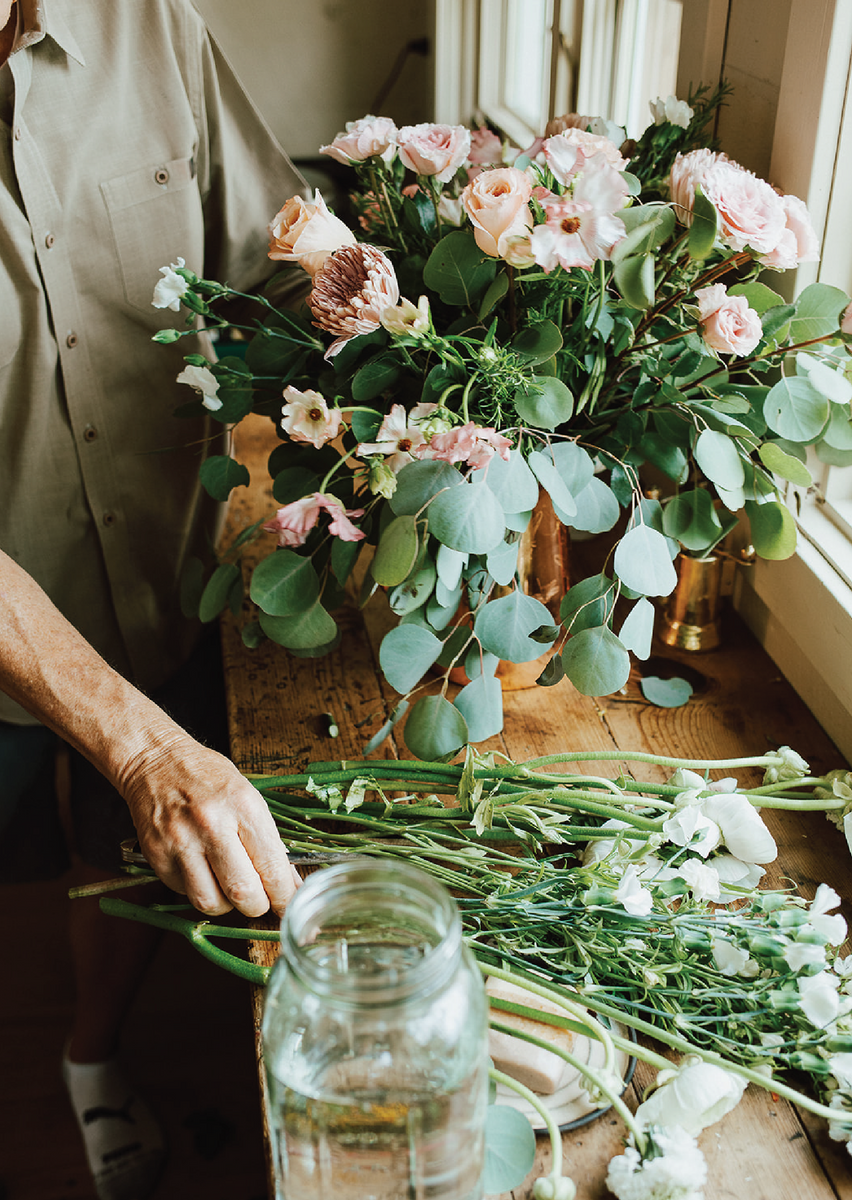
x=727, y=323
x=305, y=232
x=366, y=138
x=497, y=204
x=437, y=150
x=751, y=213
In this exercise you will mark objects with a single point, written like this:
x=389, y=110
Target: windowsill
x=800, y=610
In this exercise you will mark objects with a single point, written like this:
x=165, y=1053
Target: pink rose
x=687, y=173
x=437, y=150
x=306, y=417
x=727, y=323
x=497, y=203
x=751, y=213
x=351, y=292
x=486, y=148
x=798, y=243
x=366, y=138
x=305, y=232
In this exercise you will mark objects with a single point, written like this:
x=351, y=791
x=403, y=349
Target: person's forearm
x=53, y=672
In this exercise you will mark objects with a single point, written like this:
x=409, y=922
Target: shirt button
x=161, y=176
x=49, y=240
x=109, y=518
x=89, y=433
x=17, y=133
x=71, y=340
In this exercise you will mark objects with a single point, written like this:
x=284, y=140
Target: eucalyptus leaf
x=597, y=508
x=634, y=278
x=666, y=693
x=504, y=626
x=691, y=519
x=293, y=483
x=220, y=474
x=481, y=704
x=480, y=662
x=405, y=655
x=596, y=662
x=718, y=457
x=637, y=630
x=537, y=343
x=284, y=583
x=435, y=729
x=442, y=606
x=588, y=603
x=760, y=297
x=386, y=729
x=702, y=232
x=512, y=482
x=773, y=529
x=396, y=552
x=545, y=403
x=216, y=594
x=467, y=518
x=414, y=591
x=419, y=481
x=450, y=564
x=343, y=558
x=310, y=630
x=374, y=377
x=833, y=384
x=838, y=433
x=548, y=475
x=818, y=311
x=642, y=562
x=795, y=409
x=458, y=270
x=784, y=465
x=502, y=563
x=553, y=672
x=494, y=294
x=509, y=1149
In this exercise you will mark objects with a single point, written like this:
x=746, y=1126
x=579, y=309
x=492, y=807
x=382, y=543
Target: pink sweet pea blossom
x=437, y=150
x=472, y=444
x=305, y=232
x=727, y=323
x=397, y=439
x=294, y=521
x=306, y=417
x=368, y=137
x=351, y=292
x=497, y=203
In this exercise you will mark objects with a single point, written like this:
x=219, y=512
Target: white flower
x=169, y=290
x=636, y=899
x=205, y=382
x=730, y=960
x=841, y=1131
x=799, y=955
x=703, y=880
x=671, y=109
x=818, y=998
x=790, y=766
x=694, y=1096
x=548, y=1188
x=689, y=823
x=677, y=1172
x=735, y=876
x=832, y=928
x=407, y=320
x=743, y=830
x=840, y=1066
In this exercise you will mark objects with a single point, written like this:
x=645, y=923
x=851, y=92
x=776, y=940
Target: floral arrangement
x=585, y=325
x=560, y=875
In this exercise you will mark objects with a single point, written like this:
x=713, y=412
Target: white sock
x=124, y=1143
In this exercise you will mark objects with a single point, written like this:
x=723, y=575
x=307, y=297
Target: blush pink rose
x=727, y=323
x=305, y=232
x=437, y=150
x=497, y=204
x=306, y=417
x=751, y=213
x=486, y=148
x=369, y=137
x=798, y=243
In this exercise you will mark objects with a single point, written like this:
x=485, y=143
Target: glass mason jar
x=375, y=1041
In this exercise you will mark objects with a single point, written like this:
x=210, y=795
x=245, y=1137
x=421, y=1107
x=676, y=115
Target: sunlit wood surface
x=765, y=1149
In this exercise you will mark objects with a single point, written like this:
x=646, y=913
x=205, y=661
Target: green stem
x=543, y=1111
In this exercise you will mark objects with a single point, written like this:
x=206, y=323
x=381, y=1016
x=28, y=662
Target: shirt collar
x=35, y=22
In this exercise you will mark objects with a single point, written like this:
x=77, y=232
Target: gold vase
x=692, y=613
x=542, y=574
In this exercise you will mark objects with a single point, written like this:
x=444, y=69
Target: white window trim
x=801, y=609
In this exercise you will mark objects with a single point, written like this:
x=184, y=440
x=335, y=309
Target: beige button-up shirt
x=125, y=142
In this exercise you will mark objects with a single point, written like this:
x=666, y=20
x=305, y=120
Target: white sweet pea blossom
x=204, y=381
x=840, y=1066
x=818, y=998
x=831, y=927
x=637, y=900
x=735, y=875
x=671, y=109
x=731, y=960
x=743, y=830
x=689, y=826
x=693, y=1096
x=703, y=880
x=841, y=1130
x=790, y=766
x=801, y=955
x=678, y=1172
x=169, y=290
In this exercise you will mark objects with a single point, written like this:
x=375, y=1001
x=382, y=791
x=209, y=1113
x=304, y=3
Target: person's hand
x=206, y=831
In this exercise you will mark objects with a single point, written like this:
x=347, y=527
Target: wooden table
x=765, y=1149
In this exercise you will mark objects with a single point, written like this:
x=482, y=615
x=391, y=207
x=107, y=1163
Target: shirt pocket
x=156, y=217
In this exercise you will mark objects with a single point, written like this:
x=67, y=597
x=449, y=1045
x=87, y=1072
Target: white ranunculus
x=698, y=1094
x=678, y=1172
x=818, y=998
x=204, y=381
x=743, y=830
x=689, y=826
x=799, y=955
x=169, y=290
x=636, y=899
x=703, y=880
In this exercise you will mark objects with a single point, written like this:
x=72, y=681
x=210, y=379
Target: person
x=126, y=143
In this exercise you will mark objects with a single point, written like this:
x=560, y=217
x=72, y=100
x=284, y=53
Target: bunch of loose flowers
x=493, y=331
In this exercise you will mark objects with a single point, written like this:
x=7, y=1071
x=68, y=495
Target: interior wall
x=312, y=65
